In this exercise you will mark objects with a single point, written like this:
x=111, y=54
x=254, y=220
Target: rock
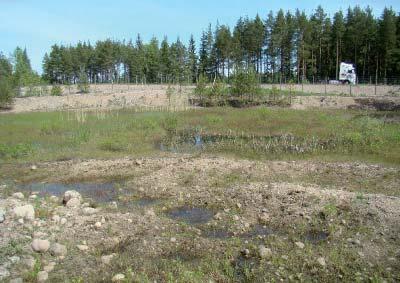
x=49, y=267
x=264, y=252
x=218, y=216
x=2, y=215
x=54, y=199
x=27, y=212
x=73, y=203
x=68, y=195
x=236, y=218
x=139, y=162
x=21, y=221
x=42, y=276
x=82, y=248
x=106, y=259
x=33, y=197
x=97, y=225
x=264, y=218
x=173, y=240
x=56, y=218
x=14, y=259
x=4, y=273
x=63, y=221
x=57, y=249
x=239, y=205
x=246, y=252
x=16, y=280
x=40, y=246
x=29, y=262
x=321, y=261
x=33, y=167
x=300, y=245
x=354, y=241
x=89, y=211
x=18, y=195
x=118, y=278
x=150, y=212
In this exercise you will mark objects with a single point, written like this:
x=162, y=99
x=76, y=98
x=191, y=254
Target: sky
x=38, y=24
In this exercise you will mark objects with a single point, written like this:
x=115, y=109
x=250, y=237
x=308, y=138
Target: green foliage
x=56, y=90
x=15, y=151
x=245, y=84
x=83, y=84
x=170, y=125
x=7, y=92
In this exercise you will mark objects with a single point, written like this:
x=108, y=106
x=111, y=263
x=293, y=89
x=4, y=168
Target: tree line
x=282, y=47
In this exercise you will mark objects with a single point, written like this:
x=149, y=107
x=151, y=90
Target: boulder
x=18, y=195
x=40, y=246
x=73, y=203
x=57, y=249
x=2, y=215
x=27, y=212
x=89, y=211
x=106, y=259
x=42, y=276
x=264, y=252
x=118, y=278
x=68, y=195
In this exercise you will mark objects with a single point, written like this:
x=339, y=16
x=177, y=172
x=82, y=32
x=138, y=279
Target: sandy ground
x=154, y=97
x=350, y=90
x=238, y=206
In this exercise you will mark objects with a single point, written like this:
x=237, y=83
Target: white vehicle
x=347, y=74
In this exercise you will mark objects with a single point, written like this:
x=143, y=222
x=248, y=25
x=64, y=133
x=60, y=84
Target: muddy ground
x=265, y=220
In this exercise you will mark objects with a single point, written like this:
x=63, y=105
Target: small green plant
x=112, y=146
x=83, y=84
x=169, y=93
x=15, y=151
x=7, y=92
x=245, y=83
x=170, y=125
x=56, y=90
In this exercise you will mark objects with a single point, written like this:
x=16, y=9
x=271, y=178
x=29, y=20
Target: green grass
x=50, y=136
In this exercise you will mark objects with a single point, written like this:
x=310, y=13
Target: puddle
x=316, y=237
x=217, y=233
x=97, y=192
x=258, y=231
x=191, y=215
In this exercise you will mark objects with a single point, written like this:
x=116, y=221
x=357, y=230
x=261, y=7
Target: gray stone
x=29, y=262
x=40, y=246
x=106, y=259
x=4, y=273
x=18, y=195
x=2, y=215
x=89, y=211
x=57, y=249
x=118, y=278
x=73, y=203
x=16, y=280
x=42, y=276
x=300, y=245
x=49, y=267
x=321, y=261
x=27, y=212
x=264, y=252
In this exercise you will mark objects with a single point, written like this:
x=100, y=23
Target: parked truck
x=347, y=74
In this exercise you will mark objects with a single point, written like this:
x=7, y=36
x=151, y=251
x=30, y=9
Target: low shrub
x=56, y=90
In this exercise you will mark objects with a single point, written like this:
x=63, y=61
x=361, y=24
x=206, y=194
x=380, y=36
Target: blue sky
x=37, y=24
